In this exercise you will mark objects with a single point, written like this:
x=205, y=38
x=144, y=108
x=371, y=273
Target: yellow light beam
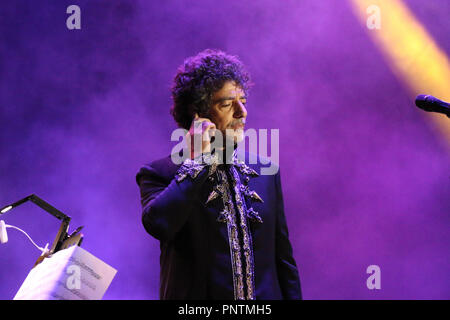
x=411, y=53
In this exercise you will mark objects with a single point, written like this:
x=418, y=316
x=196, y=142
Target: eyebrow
x=228, y=98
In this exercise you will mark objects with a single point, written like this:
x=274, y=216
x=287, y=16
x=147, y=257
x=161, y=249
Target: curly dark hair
x=199, y=78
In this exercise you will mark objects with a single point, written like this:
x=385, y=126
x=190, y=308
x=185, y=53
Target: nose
x=240, y=111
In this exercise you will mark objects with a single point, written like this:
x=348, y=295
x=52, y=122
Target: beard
x=233, y=135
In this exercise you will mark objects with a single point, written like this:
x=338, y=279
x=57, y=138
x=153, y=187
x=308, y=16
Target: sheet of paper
x=70, y=274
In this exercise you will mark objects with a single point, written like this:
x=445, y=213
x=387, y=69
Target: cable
x=44, y=250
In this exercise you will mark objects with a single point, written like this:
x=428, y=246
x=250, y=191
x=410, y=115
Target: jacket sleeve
x=166, y=208
x=287, y=272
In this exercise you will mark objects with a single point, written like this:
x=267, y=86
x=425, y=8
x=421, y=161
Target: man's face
x=228, y=111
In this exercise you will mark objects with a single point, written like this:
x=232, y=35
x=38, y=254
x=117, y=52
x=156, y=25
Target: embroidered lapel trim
x=192, y=167
x=243, y=280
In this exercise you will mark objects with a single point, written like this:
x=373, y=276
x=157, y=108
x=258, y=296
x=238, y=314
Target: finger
x=206, y=126
x=209, y=135
x=212, y=133
x=198, y=118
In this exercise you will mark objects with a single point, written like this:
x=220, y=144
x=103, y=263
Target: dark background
x=365, y=173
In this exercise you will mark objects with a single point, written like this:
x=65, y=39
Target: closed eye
x=242, y=100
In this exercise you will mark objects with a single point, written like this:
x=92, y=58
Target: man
x=221, y=226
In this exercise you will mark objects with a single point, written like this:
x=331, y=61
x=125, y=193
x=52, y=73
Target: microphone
x=432, y=104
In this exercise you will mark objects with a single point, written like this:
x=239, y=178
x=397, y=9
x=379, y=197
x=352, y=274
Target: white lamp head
x=6, y=209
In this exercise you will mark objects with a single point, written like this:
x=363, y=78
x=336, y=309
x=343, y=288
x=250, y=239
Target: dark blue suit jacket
x=195, y=254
